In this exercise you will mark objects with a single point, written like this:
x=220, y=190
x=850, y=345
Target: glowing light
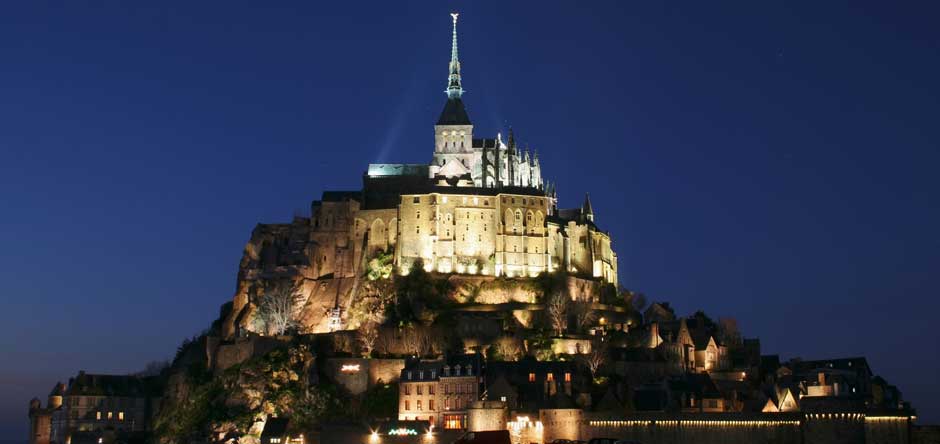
x=401, y=431
x=349, y=368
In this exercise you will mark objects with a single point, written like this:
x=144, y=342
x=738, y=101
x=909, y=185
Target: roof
x=421, y=370
x=275, y=427
x=454, y=113
x=698, y=383
x=856, y=364
x=86, y=384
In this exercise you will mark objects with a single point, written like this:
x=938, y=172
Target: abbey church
x=481, y=206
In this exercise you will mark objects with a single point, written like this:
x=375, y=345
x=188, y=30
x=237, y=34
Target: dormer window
x=433, y=374
x=457, y=369
x=409, y=376
x=446, y=370
x=421, y=374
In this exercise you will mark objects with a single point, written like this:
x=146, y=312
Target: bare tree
x=278, y=309
x=584, y=315
x=596, y=358
x=368, y=335
x=557, y=311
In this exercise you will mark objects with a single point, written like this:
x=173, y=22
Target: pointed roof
x=454, y=112
x=586, y=208
x=454, y=87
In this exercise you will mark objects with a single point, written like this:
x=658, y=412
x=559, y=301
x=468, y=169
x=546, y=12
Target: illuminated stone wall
x=487, y=415
x=560, y=424
x=721, y=428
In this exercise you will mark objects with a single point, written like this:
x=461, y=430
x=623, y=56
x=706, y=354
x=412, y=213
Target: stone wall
x=887, y=429
x=925, y=434
x=487, y=415
x=359, y=374
x=700, y=428
x=243, y=349
x=560, y=424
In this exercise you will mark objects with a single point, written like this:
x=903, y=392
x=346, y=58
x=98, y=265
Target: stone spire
x=586, y=209
x=454, y=88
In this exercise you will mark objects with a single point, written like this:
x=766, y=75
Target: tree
x=584, y=315
x=596, y=358
x=368, y=335
x=278, y=309
x=557, y=311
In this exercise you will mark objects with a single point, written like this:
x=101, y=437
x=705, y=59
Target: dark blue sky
x=771, y=161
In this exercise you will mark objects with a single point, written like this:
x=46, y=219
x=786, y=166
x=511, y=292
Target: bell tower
x=453, y=133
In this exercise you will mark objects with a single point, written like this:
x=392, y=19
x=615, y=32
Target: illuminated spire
x=454, y=89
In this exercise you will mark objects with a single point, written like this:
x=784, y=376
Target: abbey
x=480, y=207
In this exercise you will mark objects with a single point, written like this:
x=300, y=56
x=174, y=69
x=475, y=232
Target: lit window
x=531, y=377
x=110, y=415
x=120, y=416
x=419, y=405
x=409, y=375
x=550, y=377
x=98, y=416
x=567, y=377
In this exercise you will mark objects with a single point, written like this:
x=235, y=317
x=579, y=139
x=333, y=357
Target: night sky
x=775, y=162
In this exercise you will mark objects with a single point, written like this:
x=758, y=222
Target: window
x=408, y=387
x=550, y=377
x=275, y=440
x=419, y=405
x=567, y=377
x=486, y=202
x=417, y=199
x=420, y=376
x=409, y=375
x=433, y=375
x=418, y=390
x=431, y=389
x=531, y=377
x=447, y=404
x=484, y=227
x=407, y=405
x=120, y=416
x=431, y=404
x=98, y=416
x=417, y=231
x=418, y=214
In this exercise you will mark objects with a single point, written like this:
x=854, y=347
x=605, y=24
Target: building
x=481, y=206
x=440, y=391
x=92, y=405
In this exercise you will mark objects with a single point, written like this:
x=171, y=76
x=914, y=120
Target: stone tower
x=453, y=133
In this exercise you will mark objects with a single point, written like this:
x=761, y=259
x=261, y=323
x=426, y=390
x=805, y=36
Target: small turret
x=586, y=209
x=55, y=396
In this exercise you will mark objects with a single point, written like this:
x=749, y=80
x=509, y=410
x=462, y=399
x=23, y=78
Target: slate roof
x=86, y=384
x=454, y=113
x=275, y=427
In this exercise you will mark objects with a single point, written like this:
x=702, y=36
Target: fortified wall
x=704, y=428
